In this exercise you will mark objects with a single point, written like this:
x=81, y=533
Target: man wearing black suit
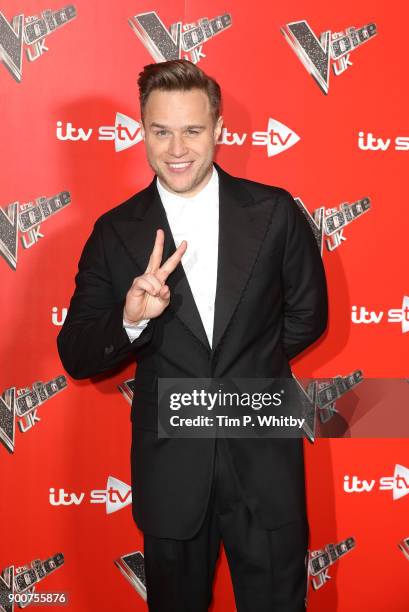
x=248, y=296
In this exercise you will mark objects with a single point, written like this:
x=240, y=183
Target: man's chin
x=177, y=186
x=181, y=184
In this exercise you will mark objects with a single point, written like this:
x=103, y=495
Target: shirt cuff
x=134, y=330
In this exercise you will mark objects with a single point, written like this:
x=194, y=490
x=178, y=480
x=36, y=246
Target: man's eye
x=161, y=133
x=193, y=132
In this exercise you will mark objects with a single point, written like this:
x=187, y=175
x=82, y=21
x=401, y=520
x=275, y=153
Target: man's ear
x=218, y=129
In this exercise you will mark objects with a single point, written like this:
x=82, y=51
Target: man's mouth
x=179, y=166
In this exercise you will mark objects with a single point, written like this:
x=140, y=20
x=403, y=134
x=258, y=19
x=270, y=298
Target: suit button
x=108, y=349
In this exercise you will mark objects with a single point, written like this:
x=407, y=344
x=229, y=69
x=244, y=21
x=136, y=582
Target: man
x=248, y=296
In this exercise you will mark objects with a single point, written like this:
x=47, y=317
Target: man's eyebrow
x=185, y=127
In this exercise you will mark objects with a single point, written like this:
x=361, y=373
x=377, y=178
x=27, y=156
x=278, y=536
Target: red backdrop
x=84, y=74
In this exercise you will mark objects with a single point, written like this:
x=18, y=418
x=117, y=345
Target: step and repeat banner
x=315, y=101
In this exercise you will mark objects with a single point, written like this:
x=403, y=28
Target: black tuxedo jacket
x=271, y=303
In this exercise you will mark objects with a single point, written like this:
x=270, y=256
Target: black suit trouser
x=267, y=567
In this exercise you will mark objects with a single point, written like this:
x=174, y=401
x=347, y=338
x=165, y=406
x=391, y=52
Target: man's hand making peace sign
x=149, y=295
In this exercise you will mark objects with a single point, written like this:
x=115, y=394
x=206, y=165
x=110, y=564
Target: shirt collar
x=207, y=193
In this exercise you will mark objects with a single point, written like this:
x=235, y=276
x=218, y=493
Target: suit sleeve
x=305, y=297
x=93, y=339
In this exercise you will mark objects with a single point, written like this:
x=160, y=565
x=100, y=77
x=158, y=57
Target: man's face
x=180, y=138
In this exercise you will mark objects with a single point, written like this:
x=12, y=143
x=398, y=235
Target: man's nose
x=177, y=146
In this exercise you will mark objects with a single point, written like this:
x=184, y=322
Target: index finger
x=157, y=252
x=172, y=261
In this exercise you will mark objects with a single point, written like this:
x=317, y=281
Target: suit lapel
x=137, y=232
x=243, y=223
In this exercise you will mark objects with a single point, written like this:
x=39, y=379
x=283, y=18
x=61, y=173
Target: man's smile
x=179, y=166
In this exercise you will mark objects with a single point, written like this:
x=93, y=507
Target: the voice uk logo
x=331, y=222
x=404, y=547
x=30, y=31
x=179, y=41
x=398, y=484
x=22, y=405
x=26, y=219
x=319, y=561
x=334, y=49
x=18, y=584
x=116, y=496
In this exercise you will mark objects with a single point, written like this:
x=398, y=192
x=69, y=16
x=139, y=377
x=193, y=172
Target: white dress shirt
x=195, y=220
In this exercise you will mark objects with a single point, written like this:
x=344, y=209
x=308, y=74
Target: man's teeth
x=181, y=165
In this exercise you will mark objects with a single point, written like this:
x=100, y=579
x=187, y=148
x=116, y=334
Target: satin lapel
x=243, y=224
x=137, y=233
